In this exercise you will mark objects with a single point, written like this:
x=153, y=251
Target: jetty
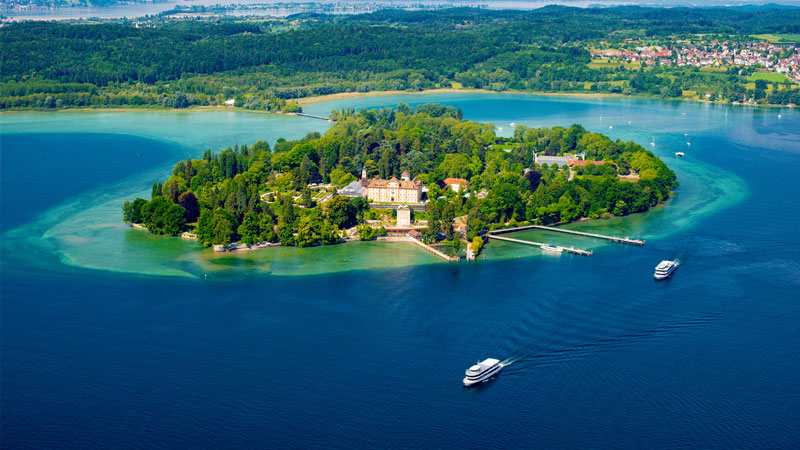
x=575, y=251
x=314, y=116
x=436, y=252
x=621, y=240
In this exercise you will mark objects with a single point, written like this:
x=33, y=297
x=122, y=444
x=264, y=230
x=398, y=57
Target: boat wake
x=508, y=361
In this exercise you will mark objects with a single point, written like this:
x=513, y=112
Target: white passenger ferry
x=665, y=269
x=482, y=371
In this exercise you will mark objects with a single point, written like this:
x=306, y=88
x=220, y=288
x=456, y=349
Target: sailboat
x=653, y=143
x=689, y=141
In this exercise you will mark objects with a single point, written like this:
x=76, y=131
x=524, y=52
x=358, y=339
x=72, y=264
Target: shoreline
x=203, y=108
x=350, y=95
x=304, y=101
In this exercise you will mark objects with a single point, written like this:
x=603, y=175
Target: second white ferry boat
x=482, y=371
x=665, y=269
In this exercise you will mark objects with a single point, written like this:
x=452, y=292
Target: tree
x=127, y=211
x=475, y=223
x=132, y=211
x=503, y=203
x=329, y=234
x=204, y=227
x=156, y=192
x=287, y=210
x=366, y=232
x=307, y=232
x=387, y=164
x=340, y=211
x=285, y=232
x=266, y=229
x=249, y=229
x=188, y=201
x=456, y=166
x=221, y=231
x=534, y=178
x=448, y=217
x=476, y=245
x=305, y=198
x=163, y=217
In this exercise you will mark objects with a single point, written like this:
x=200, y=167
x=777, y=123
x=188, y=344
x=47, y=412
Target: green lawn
x=779, y=37
x=771, y=77
x=605, y=63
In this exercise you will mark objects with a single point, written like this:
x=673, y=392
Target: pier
x=313, y=116
x=433, y=250
x=625, y=240
x=575, y=251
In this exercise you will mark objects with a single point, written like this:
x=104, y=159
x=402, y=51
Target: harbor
x=542, y=245
x=621, y=240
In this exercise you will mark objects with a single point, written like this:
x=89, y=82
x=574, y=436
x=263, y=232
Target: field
x=770, y=77
x=776, y=38
x=605, y=64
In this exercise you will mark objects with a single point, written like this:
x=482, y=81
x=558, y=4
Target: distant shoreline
x=348, y=95
x=304, y=101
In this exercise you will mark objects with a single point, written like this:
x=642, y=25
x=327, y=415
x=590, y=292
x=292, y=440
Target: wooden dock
x=432, y=250
x=575, y=251
x=625, y=240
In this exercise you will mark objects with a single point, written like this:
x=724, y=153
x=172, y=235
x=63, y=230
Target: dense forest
x=287, y=192
x=178, y=64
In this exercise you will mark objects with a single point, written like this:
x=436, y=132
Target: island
x=424, y=172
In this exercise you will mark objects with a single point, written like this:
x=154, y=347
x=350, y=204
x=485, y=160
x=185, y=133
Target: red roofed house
x=456, y=184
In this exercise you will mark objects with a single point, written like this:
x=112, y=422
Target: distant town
x=762, y=56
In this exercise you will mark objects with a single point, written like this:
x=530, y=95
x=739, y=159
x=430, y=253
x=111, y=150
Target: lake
x=112, y=337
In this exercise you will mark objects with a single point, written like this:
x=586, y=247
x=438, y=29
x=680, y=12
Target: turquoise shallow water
x=86, y=232
x=364, y=345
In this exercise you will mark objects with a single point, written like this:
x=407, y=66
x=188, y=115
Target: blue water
x=604, y=357
x=49, y=168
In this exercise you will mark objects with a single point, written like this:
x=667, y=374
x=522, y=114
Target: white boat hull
x=483, y=377
x=663, y=275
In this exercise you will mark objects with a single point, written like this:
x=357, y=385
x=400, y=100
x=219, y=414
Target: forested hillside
x=184, y=63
